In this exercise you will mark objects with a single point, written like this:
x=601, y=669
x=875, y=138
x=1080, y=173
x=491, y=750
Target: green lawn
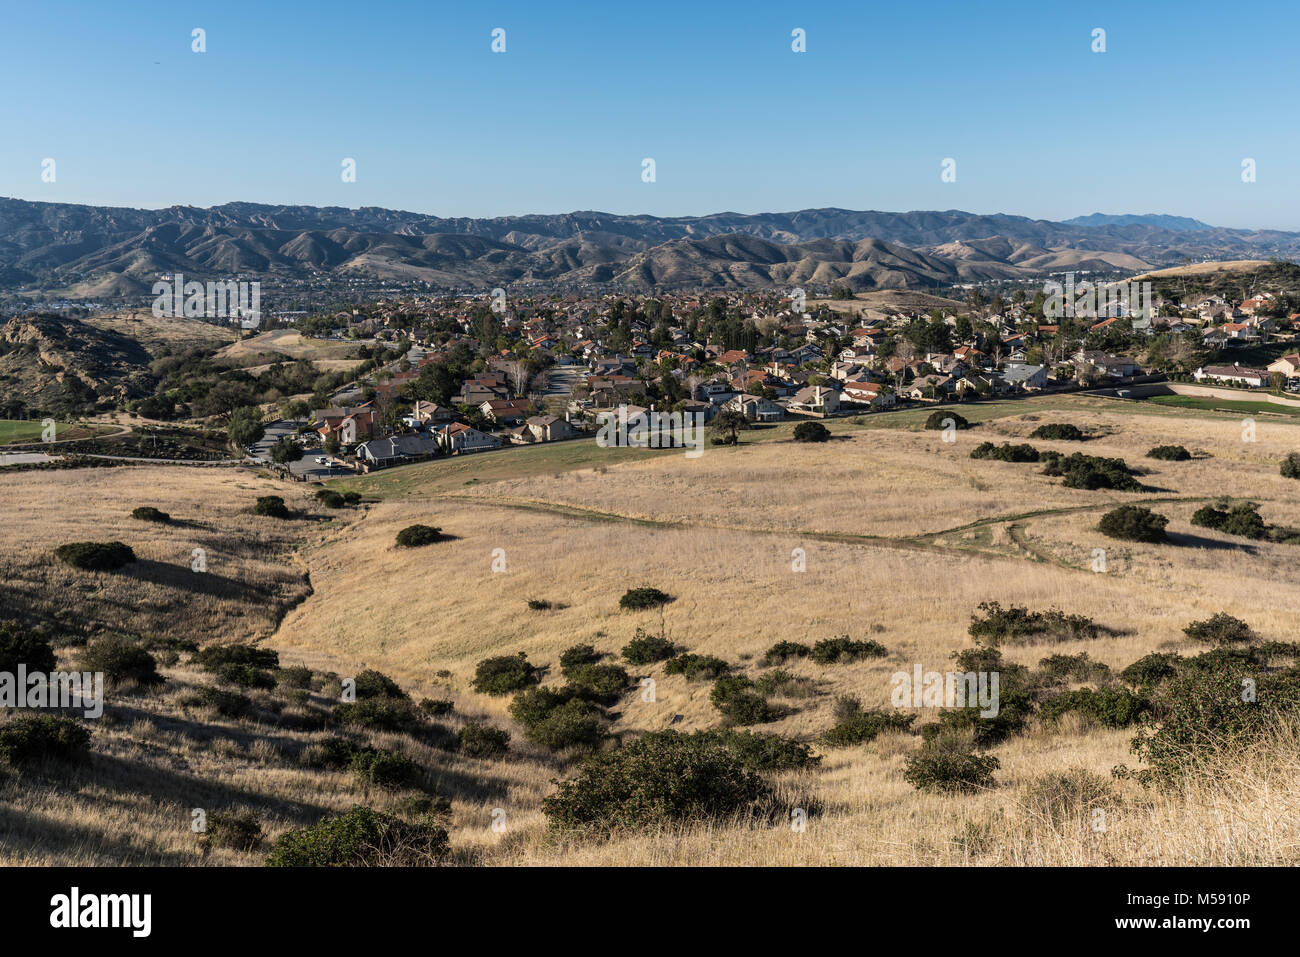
x=29, y=430
x=1233, y=406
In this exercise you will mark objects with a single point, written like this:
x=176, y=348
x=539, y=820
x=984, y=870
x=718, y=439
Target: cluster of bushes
x=662, y=778
x=332, y=499
x=1108, y=707
x=1006, y=452
x=483, y=741
x=638, y=599
x=783, y=651
x=32, y=739
x=697, y=667
x=238, y=829
x=95, y=556
x=1243, y=519
x=1017, y=625
x=1060, y=431
x=740, y=701
x=560, y=718
x=23, y=646
x=147, y=513
x=1078, y=667
x=842, y=650
x=413, y=536
x=240, y=665
x=857, y=725
x=362, y=837
x=1092, y=472
x=1291, y=466
x=1133, y=523
x=1169, y=453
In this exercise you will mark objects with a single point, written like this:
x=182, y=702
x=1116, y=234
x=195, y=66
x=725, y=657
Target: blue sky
x=1038, y=124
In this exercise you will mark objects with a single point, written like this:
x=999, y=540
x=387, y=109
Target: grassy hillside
x=900, y=537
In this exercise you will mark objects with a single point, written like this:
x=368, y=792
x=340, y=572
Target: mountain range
x=99, y=251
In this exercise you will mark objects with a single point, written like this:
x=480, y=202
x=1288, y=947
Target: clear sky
x=1039, y=125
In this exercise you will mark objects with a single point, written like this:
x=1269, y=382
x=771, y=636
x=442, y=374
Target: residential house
x=549, y=428
x=396, y=450
x=1253, y=378
x=1022, y=376
x=459, y=438
x=1288, y=365
x=816, y=399
x=755, y=408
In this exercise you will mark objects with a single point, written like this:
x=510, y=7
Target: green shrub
x=646, y=649
x=950, y=769
x=503, y=674
x=436, y=707
x=1206, y=712
x=576, y=656
x=1059, y=431
x=735, y=697
x=414, y=536
x=1241, y=519
x=30, y=739
x=762, y=751
x=397, y=715
x=1005, y=452
x=481, y=741
x=1073, y=668
x=1150, y=670
x=272, y=506
x=329, y=753
x=638, y=599
x=22, y=646
x=1109, y=707
x=1169, y=453
x=575, y=723
x=697, y=667
x=237, y=829
x=95, y=556
x=228, y=704
x=1091, y=472
x=1014, y=709
x=941, y=419
x=1291, y=466
x=783, y=651
x=603, y=683
x=662, y=778
x=539, y=604
x=294, y=677
x=811, y=432
x=330, y=499
x=1280, y=649
x=841, y=650
x=386, y=769
x=1220, y=629
x=376, y=684
x=361, y=838
x=1017, y=625
x=215, y=656
x=147, y=513
x=858, y=725
x=120, y=658
x=245, y=676
x=1133, y=523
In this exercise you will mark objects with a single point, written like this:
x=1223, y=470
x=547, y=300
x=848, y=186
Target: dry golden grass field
x=900, y=535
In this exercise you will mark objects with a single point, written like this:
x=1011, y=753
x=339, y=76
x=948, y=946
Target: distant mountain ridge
x=111, y=251
x=1148, y=219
